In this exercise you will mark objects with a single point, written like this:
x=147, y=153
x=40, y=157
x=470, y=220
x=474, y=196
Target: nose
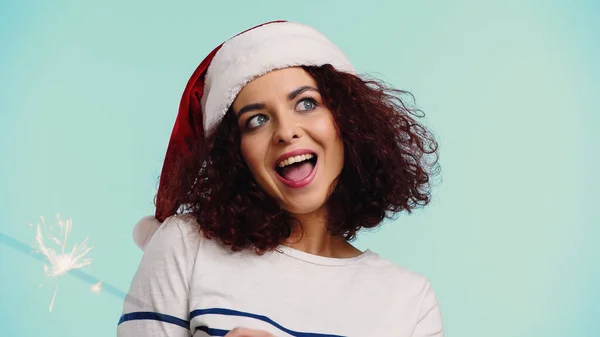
x=287, y=128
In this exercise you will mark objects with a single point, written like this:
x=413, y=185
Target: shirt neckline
x=322, y=260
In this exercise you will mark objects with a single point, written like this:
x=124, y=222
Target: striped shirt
x=187, y=285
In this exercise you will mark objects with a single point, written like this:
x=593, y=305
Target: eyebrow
x=300, y=90
x=250, y=107
x=259, y=106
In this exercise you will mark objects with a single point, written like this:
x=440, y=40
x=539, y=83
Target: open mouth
x=297, y=168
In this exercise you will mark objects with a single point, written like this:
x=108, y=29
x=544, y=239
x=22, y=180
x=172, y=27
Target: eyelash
x=306, y=99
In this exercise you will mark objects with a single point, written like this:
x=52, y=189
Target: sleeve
x=429, y=323
x=157, y=301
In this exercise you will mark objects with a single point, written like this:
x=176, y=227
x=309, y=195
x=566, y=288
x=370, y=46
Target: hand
x=241, y=332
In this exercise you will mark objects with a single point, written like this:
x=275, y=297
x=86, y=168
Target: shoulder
x=415, y=297
x=412, y=293
x=177, y=235
x=399, y=278
x=179, y=225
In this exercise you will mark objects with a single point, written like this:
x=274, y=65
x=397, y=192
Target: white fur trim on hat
x=259, y=51
x=143, y=231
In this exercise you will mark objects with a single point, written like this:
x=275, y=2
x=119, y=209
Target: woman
x=280, y=154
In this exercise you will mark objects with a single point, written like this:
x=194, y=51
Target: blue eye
x=256, y=121
x=307, y=104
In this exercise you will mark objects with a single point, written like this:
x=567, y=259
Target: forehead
x=274, y=84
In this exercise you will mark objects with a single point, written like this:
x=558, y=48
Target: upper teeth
x=295, y=159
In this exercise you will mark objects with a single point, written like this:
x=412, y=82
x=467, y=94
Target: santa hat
x=217, y=81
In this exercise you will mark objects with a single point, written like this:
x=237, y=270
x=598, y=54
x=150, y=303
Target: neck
x=310, y=235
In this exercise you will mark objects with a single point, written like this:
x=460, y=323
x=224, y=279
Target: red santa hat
x=215, y=84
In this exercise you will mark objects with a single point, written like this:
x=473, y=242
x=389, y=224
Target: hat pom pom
x=143, y=231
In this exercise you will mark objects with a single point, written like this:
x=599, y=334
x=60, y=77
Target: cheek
x=338, y=146
x=254, y=155
x=326, y=129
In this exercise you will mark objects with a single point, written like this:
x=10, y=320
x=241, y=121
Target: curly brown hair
x=389, y=160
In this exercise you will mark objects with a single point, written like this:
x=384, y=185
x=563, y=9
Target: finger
x=243, y=332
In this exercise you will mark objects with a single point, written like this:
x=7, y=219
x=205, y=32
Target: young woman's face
x=289, y=139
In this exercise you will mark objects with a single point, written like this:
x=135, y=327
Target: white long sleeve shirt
x=187, y=285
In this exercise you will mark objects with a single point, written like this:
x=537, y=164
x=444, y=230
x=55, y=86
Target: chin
x=301, y=207
x=306, y=202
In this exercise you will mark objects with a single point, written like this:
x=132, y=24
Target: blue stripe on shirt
x=140, y=315
x=213, y=332
x=229, y=312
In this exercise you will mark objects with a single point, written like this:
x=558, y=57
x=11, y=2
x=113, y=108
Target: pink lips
x=299, y=183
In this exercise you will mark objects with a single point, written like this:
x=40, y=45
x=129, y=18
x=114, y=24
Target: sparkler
x=96, y=284
x=96, y=287
x=61, y=261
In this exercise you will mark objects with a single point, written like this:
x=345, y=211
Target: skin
x=241, y=332
x=284, y=111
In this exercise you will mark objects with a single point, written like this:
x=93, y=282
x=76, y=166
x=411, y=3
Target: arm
x=157, y=302
x=429, y=322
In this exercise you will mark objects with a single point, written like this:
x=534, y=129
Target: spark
x=61, y=260
x=53, y=298
x=96, y=287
